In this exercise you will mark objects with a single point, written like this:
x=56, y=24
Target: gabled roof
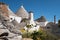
x=22, y=12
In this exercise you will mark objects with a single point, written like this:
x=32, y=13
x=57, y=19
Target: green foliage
x=25, y=35
x=24, y=20
x=28, y=26
x=41, y=35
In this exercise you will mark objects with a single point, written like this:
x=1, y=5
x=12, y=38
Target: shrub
x=41, y=35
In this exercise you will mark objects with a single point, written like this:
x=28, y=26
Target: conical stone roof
x=41, y=19
x=3, y=9
x=10, y=12
x=22, y=12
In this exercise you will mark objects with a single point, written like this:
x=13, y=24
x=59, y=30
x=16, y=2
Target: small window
x=5, y=20
x=48, y=27
x=11, y=18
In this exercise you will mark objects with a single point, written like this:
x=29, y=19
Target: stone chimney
x=54, y=19
x=31, y=15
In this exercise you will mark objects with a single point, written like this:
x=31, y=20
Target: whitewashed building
x=25, y=18
x=42, y=21
x=12, y=16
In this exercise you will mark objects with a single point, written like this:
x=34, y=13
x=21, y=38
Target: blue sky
x=47, y=8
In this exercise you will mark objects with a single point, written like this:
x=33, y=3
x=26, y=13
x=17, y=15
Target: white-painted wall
x=31, y=16
x=43, y=23
x=32, y=22
x=31, y=19
x=18, y=19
